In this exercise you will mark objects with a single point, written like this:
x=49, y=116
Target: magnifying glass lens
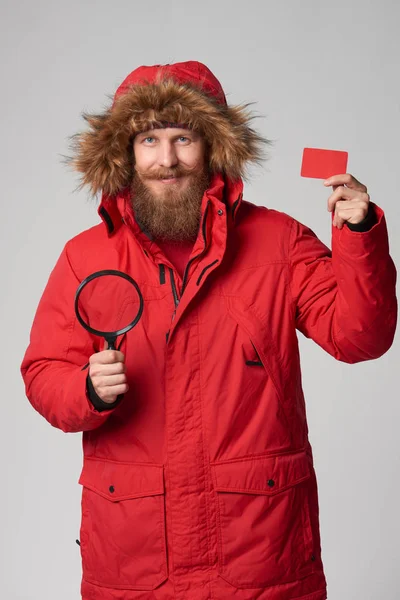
x=108, y=303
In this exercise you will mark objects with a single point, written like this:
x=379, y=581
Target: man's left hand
x=349, y=199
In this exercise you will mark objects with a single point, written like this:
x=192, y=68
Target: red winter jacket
x=200, y=483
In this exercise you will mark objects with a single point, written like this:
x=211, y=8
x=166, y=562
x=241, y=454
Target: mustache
x=178, y=171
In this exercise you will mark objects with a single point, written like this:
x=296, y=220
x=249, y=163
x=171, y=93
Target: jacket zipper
x=174, y=292
x=205, y=270
x=162, y=274
x=203, y=229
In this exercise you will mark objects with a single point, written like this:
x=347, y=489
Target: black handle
x=111, y=342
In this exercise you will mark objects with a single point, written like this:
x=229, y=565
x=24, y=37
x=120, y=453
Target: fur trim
x=103, y=154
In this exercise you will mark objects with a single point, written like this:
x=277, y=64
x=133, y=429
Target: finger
x=347, y=194
x=115, y=390
x=107, y=357
x=108, y=380
x=338, y=220
x=354, y=214
x=109, y=394
x=349, y=209
x=342, y=193
x=107, y=369
x=356, y=204
x=346, y=179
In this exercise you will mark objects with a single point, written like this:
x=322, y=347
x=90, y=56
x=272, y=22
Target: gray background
x=323, y=74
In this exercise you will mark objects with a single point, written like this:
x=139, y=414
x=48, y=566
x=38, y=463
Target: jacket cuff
x=367, y=223
x=95, y=399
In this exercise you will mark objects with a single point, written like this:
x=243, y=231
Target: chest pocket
x=123, y=525
x=250, y=355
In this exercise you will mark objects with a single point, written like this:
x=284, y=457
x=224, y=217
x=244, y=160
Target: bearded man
x=198, y=479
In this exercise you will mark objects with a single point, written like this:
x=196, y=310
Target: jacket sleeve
x=345, y=299
x=54, y=367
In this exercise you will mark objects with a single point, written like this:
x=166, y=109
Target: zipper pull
x=173, y=287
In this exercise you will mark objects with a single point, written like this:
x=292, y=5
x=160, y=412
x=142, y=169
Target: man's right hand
x=107, y=373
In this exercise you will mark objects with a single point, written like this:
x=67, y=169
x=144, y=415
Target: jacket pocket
x=123, y=524
x=250, y=355
x=264, y=527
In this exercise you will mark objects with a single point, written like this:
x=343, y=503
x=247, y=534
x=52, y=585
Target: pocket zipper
x=255, y=363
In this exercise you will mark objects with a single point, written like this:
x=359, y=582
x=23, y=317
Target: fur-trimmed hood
x=186, y=93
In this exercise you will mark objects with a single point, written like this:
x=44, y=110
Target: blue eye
x=148, y=138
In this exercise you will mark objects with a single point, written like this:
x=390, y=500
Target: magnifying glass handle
x=111, y=342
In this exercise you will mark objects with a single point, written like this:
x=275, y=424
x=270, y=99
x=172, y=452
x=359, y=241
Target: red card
x=322, y=164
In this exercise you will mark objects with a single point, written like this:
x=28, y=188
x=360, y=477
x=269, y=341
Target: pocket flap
x=121, y=481
x=266, y=475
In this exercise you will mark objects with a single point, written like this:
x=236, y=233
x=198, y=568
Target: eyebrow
x=183, y=133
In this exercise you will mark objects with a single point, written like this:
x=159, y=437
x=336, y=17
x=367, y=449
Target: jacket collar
x=116, y=210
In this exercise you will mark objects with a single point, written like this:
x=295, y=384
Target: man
x=198, y=478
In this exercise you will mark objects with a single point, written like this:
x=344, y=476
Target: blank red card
x=322, y=164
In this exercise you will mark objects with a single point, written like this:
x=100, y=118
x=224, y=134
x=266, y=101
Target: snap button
x=312, y=557
x=271, y=482
x=111, y=488
x=220, y=212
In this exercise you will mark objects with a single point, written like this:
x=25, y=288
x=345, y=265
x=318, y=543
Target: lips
x=169, y=179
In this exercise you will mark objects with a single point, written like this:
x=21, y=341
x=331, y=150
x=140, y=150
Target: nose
x=167, y=155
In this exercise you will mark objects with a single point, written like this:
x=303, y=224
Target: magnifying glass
x=108, y=303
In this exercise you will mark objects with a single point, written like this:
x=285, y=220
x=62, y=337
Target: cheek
x=193, y=159
x=143, y=160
